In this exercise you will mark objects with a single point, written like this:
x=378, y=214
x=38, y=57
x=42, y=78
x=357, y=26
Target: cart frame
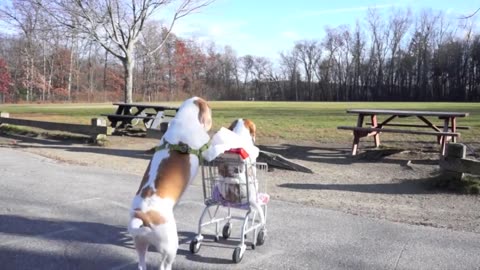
x=217, y=193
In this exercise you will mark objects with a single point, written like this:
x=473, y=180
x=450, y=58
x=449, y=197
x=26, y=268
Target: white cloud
x=290, y=35
x=241, y=35
x=199, y=28
x=313, y=13
x=233, y=33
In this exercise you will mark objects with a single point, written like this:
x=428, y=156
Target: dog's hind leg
x=168, y=255
x=167, y=262
x=141, y=245
x=167, y=244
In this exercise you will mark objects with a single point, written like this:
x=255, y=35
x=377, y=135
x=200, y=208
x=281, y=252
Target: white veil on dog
x=225, y=140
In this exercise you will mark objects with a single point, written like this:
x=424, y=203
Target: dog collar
x=182, y=148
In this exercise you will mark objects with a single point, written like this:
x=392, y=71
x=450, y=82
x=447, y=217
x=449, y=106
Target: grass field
x=286, y=121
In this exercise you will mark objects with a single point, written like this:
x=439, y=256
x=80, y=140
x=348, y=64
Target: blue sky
x=266, y=27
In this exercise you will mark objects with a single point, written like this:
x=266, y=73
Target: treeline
x=396, y=56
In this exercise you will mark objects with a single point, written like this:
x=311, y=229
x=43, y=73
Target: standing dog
x=171, y=169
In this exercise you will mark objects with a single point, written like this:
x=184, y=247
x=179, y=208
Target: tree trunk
x=44, y=71
x=128, y=64
x=105, y=67
x=70, y=70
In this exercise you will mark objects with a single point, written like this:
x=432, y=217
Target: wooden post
x=99, y=122
x=455, y=152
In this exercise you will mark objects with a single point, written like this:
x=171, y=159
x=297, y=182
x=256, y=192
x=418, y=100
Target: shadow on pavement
x=409, y=186
x=29, y=240
x=341, y=155
x=29, y=142
x=91, y=232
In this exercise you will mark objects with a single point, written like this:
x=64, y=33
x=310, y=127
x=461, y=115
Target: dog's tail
x=139, y=224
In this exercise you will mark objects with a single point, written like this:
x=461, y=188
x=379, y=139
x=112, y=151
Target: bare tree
x=309, y=53
x=398, y=24
x=357, y=52
x=229, y=72
x=289, y=64
x=380, y=38
x=25, y=17
x=117, y=24
x=247, y=63
x=332, y=43
x=261, y=69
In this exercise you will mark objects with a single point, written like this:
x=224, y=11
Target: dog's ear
x=233, y=125
x=251, y=127
x=204, y=114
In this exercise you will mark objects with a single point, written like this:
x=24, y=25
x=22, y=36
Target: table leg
x=120, y=111
x=356, y=140
x=443, y=139
x=444, y=146
x=356, y=135
x=376, y=137
x=125, y=122
x=159, y=119
x=454, y=128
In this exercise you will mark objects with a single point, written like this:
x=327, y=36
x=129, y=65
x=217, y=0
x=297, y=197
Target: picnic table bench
x=128, y=114
x=442, y=132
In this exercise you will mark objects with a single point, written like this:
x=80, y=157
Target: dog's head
x=244, y=127
x=197, y=108
x=204, y=113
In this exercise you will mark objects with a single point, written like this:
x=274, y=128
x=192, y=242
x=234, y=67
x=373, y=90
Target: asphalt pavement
x=55, y=215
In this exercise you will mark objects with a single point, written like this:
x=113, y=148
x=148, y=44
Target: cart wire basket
x=232, y=180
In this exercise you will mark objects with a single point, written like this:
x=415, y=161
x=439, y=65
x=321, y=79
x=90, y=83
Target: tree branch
x=471, y=15
x=182, y=11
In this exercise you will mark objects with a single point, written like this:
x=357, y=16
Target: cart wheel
x=216, y=238
x=227, y=230
x=195, y=246
x=261, y=237
x=237, y=255
x=253, y=246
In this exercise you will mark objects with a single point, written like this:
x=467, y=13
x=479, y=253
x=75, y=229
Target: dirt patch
x=394, y=184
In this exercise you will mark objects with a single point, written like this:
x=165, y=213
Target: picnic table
x=128, y=114
x=443, y=132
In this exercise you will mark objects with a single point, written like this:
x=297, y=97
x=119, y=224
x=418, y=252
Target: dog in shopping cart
x=234, y=183
x=245, y=128
x=171, y=169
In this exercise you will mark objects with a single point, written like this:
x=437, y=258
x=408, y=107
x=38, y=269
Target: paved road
x=58, y=216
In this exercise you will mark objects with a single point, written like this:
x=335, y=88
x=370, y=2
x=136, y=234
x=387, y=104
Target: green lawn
x=289, y=121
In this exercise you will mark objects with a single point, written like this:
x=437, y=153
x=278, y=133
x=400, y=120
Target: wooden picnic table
x=126, y=113
x=448, y=129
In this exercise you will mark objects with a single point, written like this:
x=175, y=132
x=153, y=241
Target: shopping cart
x=231, y=181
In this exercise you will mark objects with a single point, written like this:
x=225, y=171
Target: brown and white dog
x=245, y=128
x=234, y=184
x=171, y=169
